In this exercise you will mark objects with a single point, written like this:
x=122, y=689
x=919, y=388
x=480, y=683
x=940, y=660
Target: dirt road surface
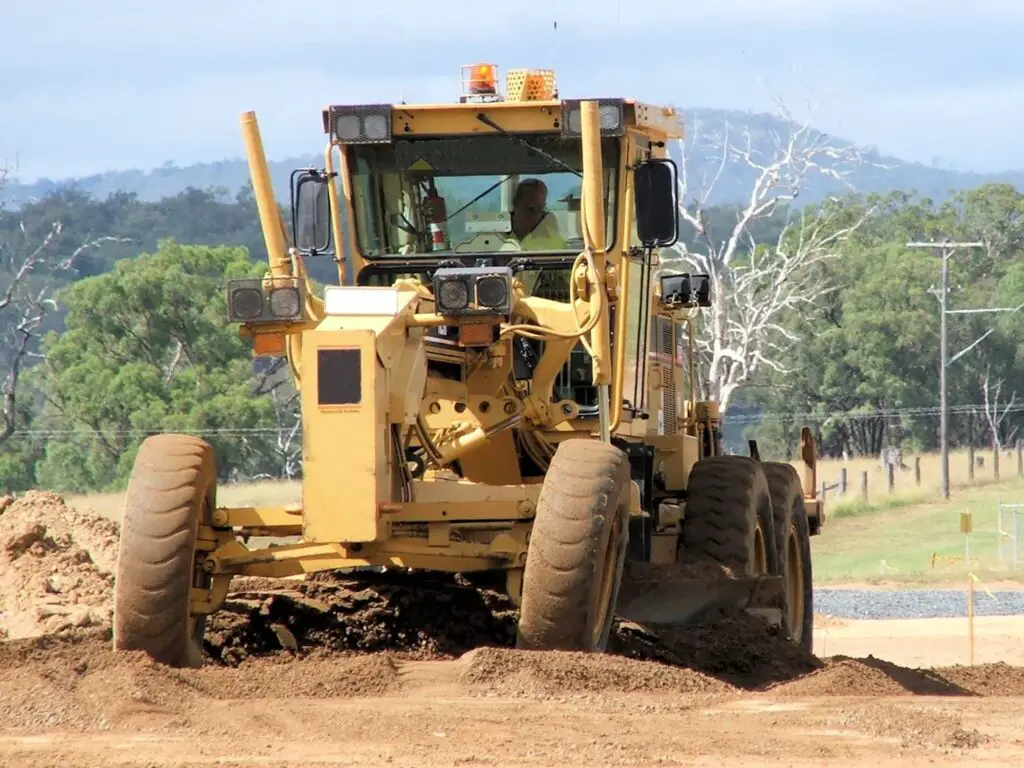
x=361, y=672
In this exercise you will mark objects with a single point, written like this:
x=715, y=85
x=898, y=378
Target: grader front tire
x=577, y=550
x=793, y=545
x=171, y=491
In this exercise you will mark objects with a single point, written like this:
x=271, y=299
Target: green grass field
x=888, y=538
x=912, y=536
x=919, y=540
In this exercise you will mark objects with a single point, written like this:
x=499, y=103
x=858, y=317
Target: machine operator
x=532, y=223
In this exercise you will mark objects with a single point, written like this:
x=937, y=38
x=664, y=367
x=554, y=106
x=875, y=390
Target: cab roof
x=530, y=105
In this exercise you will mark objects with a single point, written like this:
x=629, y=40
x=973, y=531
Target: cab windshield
x=474, y=194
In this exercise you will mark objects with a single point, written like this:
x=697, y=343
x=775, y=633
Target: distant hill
x=734, y=186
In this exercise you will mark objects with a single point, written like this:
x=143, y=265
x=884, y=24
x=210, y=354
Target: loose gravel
x=914, y=603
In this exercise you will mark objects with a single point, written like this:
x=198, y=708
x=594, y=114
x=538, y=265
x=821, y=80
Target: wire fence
x=1010, y=530
x=742, y=418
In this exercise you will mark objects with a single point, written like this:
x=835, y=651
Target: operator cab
x=493, y=181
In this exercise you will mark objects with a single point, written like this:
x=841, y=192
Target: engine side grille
x=664, y=354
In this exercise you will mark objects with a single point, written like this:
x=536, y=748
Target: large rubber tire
x=728, y=519
x=172, y=488
x=793, y=545
x=577, y=550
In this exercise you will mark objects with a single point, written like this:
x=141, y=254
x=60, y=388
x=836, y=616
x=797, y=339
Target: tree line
x=863, y=364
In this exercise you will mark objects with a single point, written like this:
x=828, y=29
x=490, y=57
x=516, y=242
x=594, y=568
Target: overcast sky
x=116, y=84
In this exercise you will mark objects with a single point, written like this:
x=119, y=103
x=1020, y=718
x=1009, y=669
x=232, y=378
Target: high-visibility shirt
x=544, y=237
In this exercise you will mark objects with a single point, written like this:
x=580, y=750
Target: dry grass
x=906, y=491
x=272, y=493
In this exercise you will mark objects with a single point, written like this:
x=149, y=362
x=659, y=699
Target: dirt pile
x=56, y=577
x=986, y=679
x=56, y=567
x=73, y=681
x=735, y=646
x=844, y=676
x=506, y=672
x=443, y=618
x=414, y=616
x=351, y=633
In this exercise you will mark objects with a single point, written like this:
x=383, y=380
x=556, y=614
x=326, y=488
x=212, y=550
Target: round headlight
x=575, y=121
x=609, y=117
x=347, y=127
x=376, y=126
x=246, y=303
x=454, y=294
x=284, y=302
x=491, y=292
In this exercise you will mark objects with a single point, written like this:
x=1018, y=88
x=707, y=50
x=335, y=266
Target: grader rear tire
x=793, y=545
x=172, y=489
x=728, y=518
x=577, y=550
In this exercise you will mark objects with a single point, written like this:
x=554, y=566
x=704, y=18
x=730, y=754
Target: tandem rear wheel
x=728, y=520
x=793, y=544
x=750, y=517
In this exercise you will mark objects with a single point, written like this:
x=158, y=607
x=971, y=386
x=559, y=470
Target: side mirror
x=654, y=194
x=311, y=212
x=684, y=291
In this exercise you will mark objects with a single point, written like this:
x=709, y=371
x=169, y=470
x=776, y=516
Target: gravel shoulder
x=917, y=603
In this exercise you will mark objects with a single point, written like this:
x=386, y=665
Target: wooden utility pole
x=943, y=295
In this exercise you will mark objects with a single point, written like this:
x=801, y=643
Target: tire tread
x=170, y=479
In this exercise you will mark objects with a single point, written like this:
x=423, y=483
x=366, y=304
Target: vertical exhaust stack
x=270, y=217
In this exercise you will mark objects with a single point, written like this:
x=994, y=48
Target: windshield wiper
x=487, y=121
x=482, y=195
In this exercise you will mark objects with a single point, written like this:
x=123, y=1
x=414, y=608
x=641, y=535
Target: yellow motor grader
x=502, y=384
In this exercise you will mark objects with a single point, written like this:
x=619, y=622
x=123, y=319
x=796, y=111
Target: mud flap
x=681, y=601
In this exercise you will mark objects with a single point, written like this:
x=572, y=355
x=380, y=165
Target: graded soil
x=398, y=669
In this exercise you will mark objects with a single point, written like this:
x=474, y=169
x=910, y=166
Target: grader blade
x=682, y=601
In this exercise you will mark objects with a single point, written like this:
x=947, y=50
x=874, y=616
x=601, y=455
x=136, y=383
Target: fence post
x=824, y=490
x=917, y=471
x=864, y=485
x=892, y=478
x=842, y=481
x=1020, y=459
x=995, y=463
x=970, y=462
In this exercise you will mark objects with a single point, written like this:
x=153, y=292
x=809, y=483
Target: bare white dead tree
x=287, y=444
x=995, y=413
x=755, y=284
x=29, y=271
